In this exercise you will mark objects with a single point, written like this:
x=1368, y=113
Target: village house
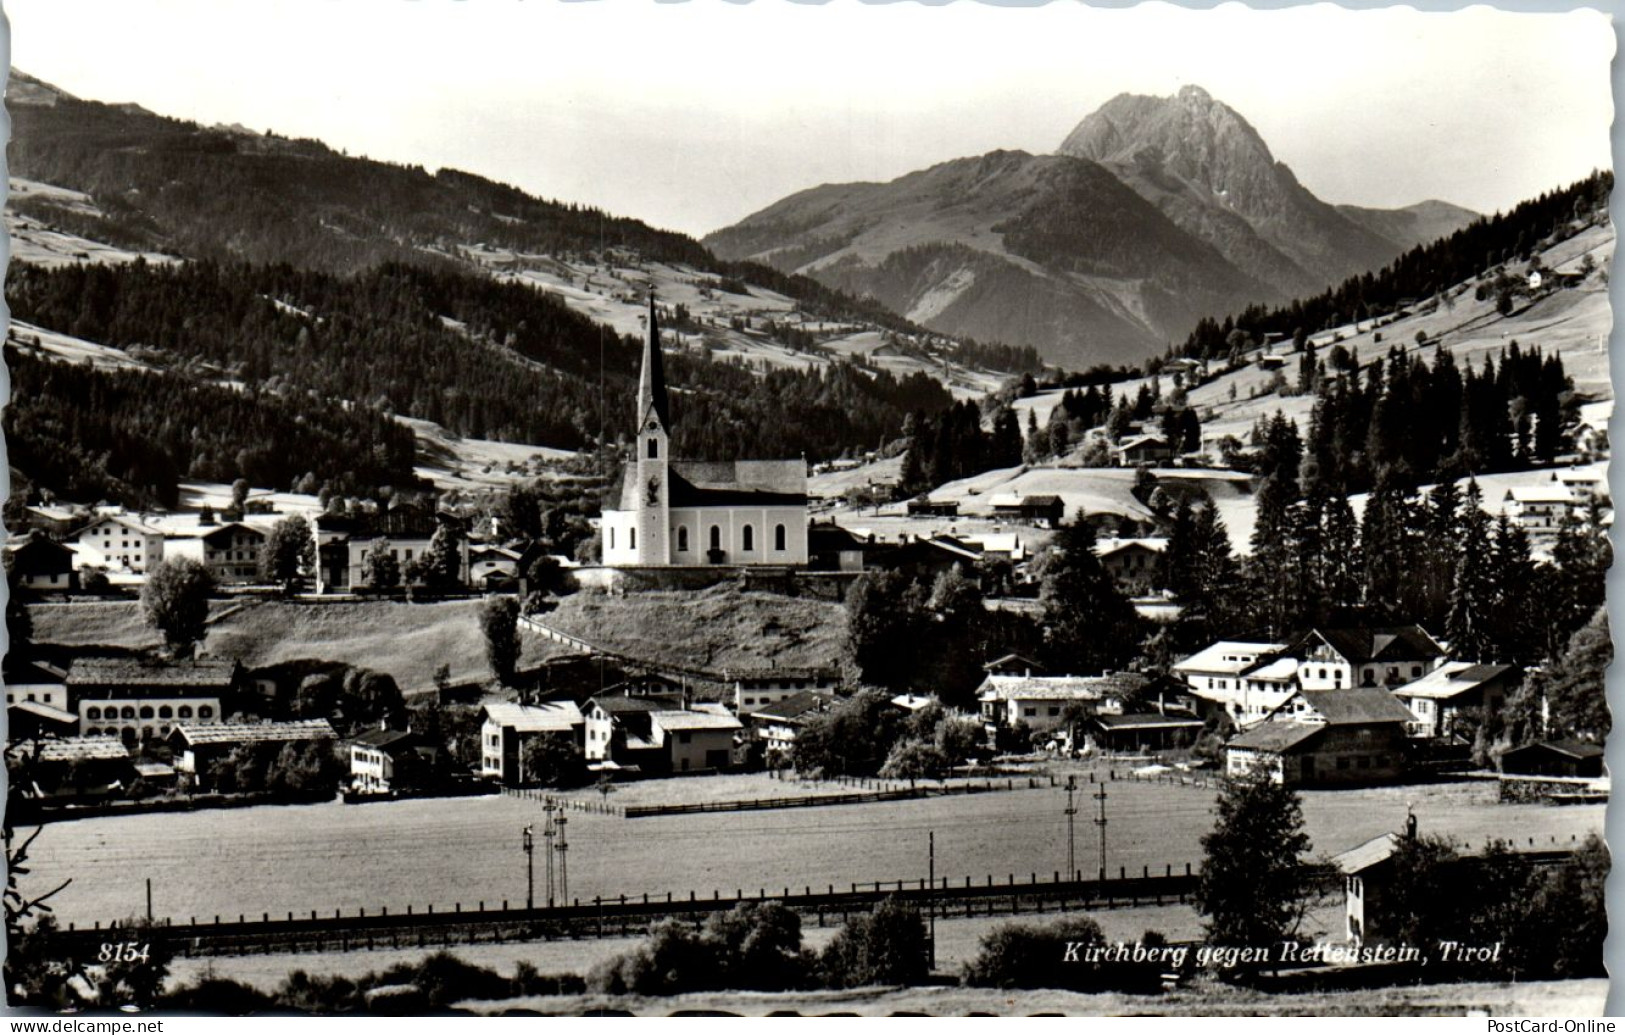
x=492, y=567
x=122, y=543
x=1040, y=703
x=383, y=761
x=925, y=506
x=197, y=746
x=755, y=689
x=833, y=548
x=138, y=700
x=778, y=724
x=1455, y=689
x=505, y=729
x=1242, y=680
x=657, y=733
x=58, y=522
x=1337, y=659
x=1134, y=564
x=405, y=531
x=230, y=551
x=1539, y=508
x=1584, y=483
x=691, y=513
x=39, y=563
x=1326, y=738
x=1013, y=665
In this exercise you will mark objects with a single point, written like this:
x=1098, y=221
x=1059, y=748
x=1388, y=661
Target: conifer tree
x=1089, y=626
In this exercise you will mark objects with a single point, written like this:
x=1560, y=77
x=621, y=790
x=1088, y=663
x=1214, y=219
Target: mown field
x=334, y=856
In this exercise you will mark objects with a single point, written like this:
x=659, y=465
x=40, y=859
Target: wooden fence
x=624, y=915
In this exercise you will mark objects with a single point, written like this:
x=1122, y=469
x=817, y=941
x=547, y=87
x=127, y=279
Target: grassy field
x=94, y=623
x=409, y=641
x=440, y=852
x=714, y=629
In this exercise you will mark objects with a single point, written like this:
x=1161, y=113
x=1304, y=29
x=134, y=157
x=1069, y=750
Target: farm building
x=695, y=741
x=657, y=733
x=73, y=766
x=1242, y=680
x=1142, y=449
x=1338, y=659
x=198, y=745
x=385, y=760
x=925, y=506
x=1554, y=758
x=43, y=564
x=121, y=543
x=1042, y=511
x=1326, y=738
x=1149, y=731
x=752, y=690
x=1456, y=688
x=505, y=727
x=57, y=522
x=1013, y=665
x=139, y=700
x=1039, y=703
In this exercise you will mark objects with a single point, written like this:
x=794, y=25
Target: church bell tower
x=653, y=454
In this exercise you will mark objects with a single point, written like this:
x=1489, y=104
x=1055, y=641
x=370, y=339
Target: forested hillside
x=485, y=359
x=1419, y=273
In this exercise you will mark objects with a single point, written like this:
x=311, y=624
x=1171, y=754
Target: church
x=692, y=513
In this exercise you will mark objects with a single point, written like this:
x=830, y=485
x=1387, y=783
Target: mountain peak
x=1193, y=94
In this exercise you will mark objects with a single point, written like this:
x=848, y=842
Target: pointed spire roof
x=652, y=383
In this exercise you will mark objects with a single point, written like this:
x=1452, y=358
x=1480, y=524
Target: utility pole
x=1071, y=836
x=529, y=843
x=547, y=848
x=564, y=871
x=1100, y=822
x=931, y=903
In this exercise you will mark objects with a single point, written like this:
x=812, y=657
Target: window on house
x=612, y=538
x=185, y=711
x=716, y=537
x=1054, y=710
x=779, y=538
x=127, y=712
x=632, y=539
x=205, y=712
x=1029, y=712
x=1416, y=670
x=748, y=538
x=93, y=713
x=166, y=712
x=682, y=539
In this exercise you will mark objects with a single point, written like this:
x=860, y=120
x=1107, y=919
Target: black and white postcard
x=783, y=509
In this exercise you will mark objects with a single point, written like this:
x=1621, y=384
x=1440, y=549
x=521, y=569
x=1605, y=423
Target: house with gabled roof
x=1456, y=689
x=142, y=699
x=506, y=727
x=1340, y=659
x=1326, y=738
x=778, y=724
x=383, y=761
x=197, y=745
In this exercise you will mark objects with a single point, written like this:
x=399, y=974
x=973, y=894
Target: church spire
x=652, y=383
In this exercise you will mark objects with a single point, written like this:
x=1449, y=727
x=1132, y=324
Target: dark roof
x=706, y=483
x=1357, y=706
x=1396, y=643
x=631, y=704
x=130, y=673
x=794, y=708
x=1042, y=501
x=385, y=738
x=652, y=377
x=1276, y=736
x=409, y=520
x=229, y=527
x=832, y=537
x=1008, y=658
x=1569, y=747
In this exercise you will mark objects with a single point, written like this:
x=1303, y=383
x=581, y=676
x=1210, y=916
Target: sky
x=693, y=115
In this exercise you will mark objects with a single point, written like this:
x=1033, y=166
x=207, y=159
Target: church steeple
x=652, y=383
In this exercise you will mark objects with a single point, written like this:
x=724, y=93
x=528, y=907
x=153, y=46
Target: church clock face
x=652, y=426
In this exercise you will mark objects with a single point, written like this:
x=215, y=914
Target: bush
x=888, y=947
x=1021, y=955
x=751, y=947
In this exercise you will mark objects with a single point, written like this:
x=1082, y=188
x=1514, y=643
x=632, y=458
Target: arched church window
x=682, y=539
x=778, y=538
x=612, y=537
x=633, y=534
x=749, y=538
x=716, y=538
x=654, y=448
